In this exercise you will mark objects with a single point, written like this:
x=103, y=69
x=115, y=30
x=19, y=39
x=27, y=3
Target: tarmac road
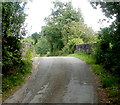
x=57, y=80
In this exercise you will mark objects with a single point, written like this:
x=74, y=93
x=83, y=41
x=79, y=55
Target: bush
x=18, y=73
x=29, y=54
x=26, y=67
x=70, y=46
x=109, y=81
x=107, y=51
x=11, y=53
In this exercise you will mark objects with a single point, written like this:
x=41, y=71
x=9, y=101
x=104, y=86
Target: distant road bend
x=57, y=80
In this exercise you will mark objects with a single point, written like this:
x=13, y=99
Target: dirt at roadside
x=103, y=96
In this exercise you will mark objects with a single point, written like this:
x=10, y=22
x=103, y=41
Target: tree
x=77, y=30
x=109, y=45
x=35, y=37
x=53, y=35
x=13, y=18
x=42, y=47
x=63, y=24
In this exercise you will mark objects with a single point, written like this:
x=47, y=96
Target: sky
x=39, y=9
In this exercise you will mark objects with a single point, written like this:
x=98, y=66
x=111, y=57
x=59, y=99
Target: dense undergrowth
x=18, y=74
x=109, y=81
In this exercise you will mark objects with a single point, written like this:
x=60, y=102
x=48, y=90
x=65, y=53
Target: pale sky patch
x=39, y=9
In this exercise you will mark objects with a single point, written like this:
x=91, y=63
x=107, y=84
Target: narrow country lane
x=57, y=80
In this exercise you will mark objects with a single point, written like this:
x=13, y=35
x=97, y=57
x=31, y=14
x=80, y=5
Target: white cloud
x=38, y=10
x=91, y=16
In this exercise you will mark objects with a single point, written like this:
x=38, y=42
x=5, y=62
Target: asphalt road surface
x=57, y=80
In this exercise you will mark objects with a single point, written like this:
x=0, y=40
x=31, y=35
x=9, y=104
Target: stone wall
x=25, y=46
x=87, y=47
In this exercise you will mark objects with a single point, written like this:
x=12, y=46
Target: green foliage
x=114, y=91
x=70, y=46
x=109, y=81
x=18, y=73
x=107, y=52
x=11, y=81
x=13, y=29
x=115, y=95
x=15, y=68
x=13, y=18
x=11, y=53
x=26, y=67
x=29, y=40
x=97, y=69
x=53, y=36
x=35, y=37
x=42, y=47
x=64, y=28
x=28, y=55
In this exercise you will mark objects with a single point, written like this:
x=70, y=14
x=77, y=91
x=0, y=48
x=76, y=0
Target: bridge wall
x=25, y=46
x=87, y=47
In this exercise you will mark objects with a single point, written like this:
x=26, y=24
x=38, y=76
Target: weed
x=109, y=81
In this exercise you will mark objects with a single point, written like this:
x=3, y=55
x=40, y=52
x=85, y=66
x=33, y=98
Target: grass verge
x=17, y=76
x=11, y=81
x=109, y=82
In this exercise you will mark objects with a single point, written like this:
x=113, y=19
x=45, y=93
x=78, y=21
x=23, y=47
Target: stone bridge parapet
x=87, y=47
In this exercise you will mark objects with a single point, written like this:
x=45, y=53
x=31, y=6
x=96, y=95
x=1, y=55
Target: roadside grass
x=11, y=81
x=109, y=82
x=0, y=96
x=18, y=74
